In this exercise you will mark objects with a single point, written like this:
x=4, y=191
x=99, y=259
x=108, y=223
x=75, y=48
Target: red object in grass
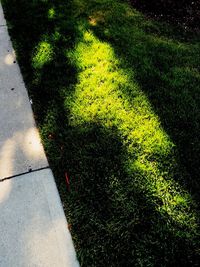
x=67, y=181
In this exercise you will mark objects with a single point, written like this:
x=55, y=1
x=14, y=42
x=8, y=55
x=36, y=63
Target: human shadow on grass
x=113, y=215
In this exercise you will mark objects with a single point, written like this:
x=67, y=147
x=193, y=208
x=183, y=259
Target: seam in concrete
x=3, y=25
x=20, y=174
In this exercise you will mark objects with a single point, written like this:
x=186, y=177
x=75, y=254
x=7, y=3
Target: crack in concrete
x=20, y=174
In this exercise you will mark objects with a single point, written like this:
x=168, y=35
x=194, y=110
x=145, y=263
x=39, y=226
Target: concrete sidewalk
x=33, y=227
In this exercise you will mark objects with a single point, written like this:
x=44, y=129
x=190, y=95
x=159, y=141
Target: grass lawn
x=117, y=100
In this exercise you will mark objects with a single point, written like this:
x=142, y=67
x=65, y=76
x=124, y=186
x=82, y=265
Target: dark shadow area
x=113, y=216
x=184, y=13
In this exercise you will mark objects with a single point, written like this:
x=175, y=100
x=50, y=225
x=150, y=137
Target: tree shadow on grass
x=115, y=220
x=166, y=70
x=42, y=32
x=114, y=217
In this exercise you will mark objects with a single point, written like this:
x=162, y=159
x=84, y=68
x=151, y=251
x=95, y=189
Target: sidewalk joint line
x=21, y=174
x=3, y=25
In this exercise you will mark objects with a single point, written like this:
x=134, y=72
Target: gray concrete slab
x=20, y=145
x=2, y=20
x=33, y=228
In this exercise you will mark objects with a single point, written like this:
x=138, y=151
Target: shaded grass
x=185, y=13
x=117, y=101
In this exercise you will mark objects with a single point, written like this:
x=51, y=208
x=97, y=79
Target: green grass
x=117, y=100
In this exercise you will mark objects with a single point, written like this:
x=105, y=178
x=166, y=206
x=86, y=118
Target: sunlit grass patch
x=42, y=55
x=51, y=13
x=98, y=97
